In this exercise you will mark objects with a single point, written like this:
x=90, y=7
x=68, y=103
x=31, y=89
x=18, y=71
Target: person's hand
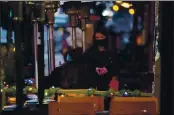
x=101, y=71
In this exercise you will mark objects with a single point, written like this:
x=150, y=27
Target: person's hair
x=101, y=30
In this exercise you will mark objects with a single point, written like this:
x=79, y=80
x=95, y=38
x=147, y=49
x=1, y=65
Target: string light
x=115, y=7
x=118, y=2
x=131, y=11
x=46, y=94
x=30, y=89
x=126, y=5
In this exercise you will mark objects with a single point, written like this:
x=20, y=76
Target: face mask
x=102, y=43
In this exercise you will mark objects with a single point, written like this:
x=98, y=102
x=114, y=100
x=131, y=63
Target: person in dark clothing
x=91, y=69
x=67, y=75
x=103, y=62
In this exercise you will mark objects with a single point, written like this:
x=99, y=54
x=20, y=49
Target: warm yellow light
x=118, y=2
x=30, y=89
x=115, y=8
x=139, y=40
x=125, y=5
x=11, y=100
x=14, y=49
x=46, y=94
x=131, y=11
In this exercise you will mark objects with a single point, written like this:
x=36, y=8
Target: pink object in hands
x=101, y=71
x=114, y=84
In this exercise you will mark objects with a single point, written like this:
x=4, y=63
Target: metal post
x=49, y=55
x=156, y=54
x=73, y=24
x=83, y=23
x=50, y=15
x=30, y=15
x=40, y=16
x=84, y=13
x=3, y=96
x=51, y=8
x=41, y=62
x=1, y=105
x=84, y=40
x=1, y=68
x=35, y=25
x=18, y=53
x=72, y=9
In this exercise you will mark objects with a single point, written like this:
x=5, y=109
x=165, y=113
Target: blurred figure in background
x=8, y=63
x=78, y=37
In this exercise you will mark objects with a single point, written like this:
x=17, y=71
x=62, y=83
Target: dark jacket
x=107, y=59
x=81, y=72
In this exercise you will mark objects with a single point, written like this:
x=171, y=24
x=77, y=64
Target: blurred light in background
x=108, y=13
x=126, y=5
x=3, y=35
x=11, y=14
x=139, y=40
x=140, y=23
x=126, y=37
x=118, y=2
x=139, y=27
x=126, y=40
x=91, y=11
x=131, y=11
x=115, y=7
x=109, y=4
x=98, y=3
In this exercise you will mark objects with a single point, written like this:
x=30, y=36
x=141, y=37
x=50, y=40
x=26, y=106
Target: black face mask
x=102, y=43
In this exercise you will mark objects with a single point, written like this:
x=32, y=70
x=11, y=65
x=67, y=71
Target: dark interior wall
x=166, y=53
